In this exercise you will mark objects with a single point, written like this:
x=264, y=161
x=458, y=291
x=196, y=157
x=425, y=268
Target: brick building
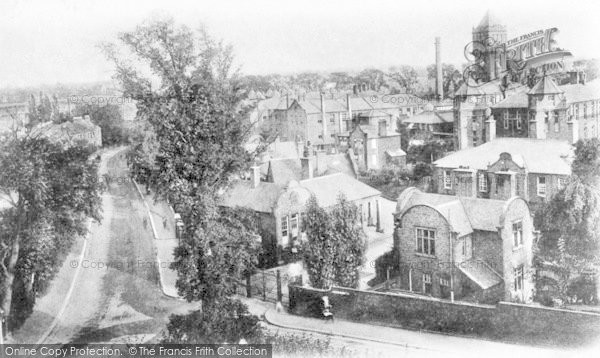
x=376, y=147
x=569, y=112
x=465, y=248
x=532, y=169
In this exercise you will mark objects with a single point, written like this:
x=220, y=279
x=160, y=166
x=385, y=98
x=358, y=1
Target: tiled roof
x=480, y=273
x=582, y=92
x=484, y=214
x=518, y=99
x=431, y=117
x=543, y=156
x=327, y=188
x=284, y=170
x=313, y=106
x=262, y=199
x=372, y=131
x=463, y=214
x=396, y=152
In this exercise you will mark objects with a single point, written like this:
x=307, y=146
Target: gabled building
x=281, y=207
x=532, y=169
x=464, y=248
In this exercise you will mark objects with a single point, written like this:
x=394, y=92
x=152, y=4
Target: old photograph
x=306, y=178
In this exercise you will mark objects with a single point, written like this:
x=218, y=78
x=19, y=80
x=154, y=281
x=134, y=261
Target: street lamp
x=178, y=227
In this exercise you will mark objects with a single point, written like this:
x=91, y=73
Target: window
x=332, y=135
x=332, y=118
x=562, y=182
x=447, y=179
x=320, y=136
x=518, y=119
x=374, y=160
x=284, y=226
x=294, y=225
x=483, y=186
x=517, y=228
x=518, y=273
x=426, y=241
x=343, y=116
x=556, y=124
x=506, y=119
x=444, y=281
x=541, y=186
x=427, y=283
x=373, y=144
x=464, y=247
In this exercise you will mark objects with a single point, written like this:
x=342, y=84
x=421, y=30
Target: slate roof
x=313, y=106
x=545, y=86
x=463, y=214
x=284, y=170
x=327, y=188
x=480, y=273
x=543, y=156
x=262, y=199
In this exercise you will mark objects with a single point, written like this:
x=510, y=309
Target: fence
x=269, y=285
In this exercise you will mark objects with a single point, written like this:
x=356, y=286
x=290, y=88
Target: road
x=116, y=296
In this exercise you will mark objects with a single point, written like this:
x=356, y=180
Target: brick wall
x=505, y=321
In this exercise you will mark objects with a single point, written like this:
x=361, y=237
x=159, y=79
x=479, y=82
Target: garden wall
x=505, y=321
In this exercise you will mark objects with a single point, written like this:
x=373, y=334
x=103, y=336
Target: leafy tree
x=108, y=117
x=569, y=223
x=218, y=322
x=452, y=78
x=200, y=128
x=349, y=239
x=50, y=191
x=319, y=250
x=335, y=244
x=403, y=79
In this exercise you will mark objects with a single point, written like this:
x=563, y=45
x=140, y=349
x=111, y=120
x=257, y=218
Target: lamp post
x=2, y=320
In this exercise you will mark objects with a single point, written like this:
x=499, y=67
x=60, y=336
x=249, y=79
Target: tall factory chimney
x=439, y=80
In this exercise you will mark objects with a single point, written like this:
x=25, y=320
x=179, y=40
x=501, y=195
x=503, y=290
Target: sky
x=48, y=42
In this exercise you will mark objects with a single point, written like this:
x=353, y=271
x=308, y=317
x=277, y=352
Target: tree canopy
x=335, y=246
x=51, y=191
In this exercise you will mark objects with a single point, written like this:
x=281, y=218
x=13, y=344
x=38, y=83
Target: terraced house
x=533, y=169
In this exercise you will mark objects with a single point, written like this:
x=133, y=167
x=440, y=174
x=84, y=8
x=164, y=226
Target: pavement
x=423, y=343
x=162, y=221
x=107, y=290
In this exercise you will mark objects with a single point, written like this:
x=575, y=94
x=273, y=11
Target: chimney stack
x=324, y=120
x=255, y=176
x=439, y=81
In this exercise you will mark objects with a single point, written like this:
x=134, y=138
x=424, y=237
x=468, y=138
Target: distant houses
x=76, y=131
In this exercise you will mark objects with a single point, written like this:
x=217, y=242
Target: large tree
x=200, y=126
x=335, y=246
x=569, y=223
x=50, y=192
